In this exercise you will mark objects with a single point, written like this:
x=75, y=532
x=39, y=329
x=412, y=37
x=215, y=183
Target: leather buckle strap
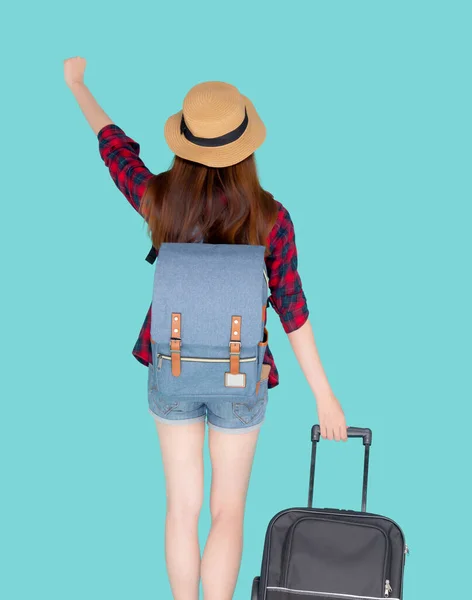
x=235, y=345
x=234, y=378
x=175, y=344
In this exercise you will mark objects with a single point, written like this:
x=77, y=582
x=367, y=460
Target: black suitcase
x=332, y=554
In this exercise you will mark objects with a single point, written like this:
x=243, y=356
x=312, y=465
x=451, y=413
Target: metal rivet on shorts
x=235, y=332
x=176, y=318
x=236, y=321
x=176, y=330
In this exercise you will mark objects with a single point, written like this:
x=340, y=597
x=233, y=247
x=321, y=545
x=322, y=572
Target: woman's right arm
x=119, y=152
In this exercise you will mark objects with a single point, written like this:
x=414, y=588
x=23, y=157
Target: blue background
x=368, y=111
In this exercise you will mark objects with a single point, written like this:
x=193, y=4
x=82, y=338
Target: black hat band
x=221, y=140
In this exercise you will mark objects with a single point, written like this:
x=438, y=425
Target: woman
x=211, y=185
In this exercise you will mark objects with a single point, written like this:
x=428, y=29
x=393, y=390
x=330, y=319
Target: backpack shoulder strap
x=152, y=255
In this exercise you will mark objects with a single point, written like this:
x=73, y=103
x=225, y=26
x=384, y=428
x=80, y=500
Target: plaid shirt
x=120, y=154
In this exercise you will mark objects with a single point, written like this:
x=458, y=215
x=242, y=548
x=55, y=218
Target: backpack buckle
x=175, y=342
x=232, y=352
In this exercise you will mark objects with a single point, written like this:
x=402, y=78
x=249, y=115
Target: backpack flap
x=207, y=318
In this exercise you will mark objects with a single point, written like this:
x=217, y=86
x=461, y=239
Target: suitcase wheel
x=255, y=588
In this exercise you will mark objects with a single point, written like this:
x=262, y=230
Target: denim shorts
x=221, y=414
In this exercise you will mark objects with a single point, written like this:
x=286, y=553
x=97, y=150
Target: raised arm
x=119, y=152
x=289, y=302
x=74, y=69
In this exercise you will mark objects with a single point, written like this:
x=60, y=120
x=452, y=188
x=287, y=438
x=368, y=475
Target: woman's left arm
x=119, y=152
x=288, y=299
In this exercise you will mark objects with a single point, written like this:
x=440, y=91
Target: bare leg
x=231, y=457
x=182, y=456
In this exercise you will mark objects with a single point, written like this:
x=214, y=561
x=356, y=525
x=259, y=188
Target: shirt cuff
x=295, y=319
x=110, y=127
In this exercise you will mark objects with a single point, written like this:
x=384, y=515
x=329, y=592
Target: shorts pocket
x=251, y=411
x=164, y=407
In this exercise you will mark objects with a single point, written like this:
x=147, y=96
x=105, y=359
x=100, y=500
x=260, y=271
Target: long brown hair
x=225, y=205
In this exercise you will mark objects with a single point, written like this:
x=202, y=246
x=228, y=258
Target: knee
x=227, y=512
x=186, y=509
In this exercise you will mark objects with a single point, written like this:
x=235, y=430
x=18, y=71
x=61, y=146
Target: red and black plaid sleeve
x=142, y=347
x=287, y=296
x=120, y=154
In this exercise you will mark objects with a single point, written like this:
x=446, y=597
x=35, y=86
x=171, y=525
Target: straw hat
x=217, y=127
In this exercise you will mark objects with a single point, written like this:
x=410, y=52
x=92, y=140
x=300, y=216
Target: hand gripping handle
x=352, y=432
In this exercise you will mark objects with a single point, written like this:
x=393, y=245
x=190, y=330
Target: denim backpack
x=208, y=337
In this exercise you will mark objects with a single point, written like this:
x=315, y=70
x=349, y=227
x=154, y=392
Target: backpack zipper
x=209, y=360
x=388, y=589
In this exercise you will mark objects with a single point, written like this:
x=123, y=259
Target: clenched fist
x=74, y=69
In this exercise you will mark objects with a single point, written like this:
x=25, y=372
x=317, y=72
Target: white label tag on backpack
x=237, y=380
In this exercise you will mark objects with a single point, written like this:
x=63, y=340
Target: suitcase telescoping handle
x=352, y=432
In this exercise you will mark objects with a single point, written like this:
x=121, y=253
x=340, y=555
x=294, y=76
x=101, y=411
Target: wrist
x=76, y=85
x=325, y=397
